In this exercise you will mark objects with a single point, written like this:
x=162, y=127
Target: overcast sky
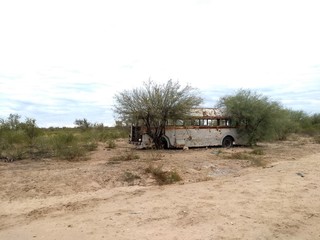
x=63, y=60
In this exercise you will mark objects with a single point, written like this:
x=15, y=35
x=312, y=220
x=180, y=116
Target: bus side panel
x=199, y=137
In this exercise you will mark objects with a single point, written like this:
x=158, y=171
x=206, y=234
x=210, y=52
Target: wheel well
x=165, y=142
x=227, y=137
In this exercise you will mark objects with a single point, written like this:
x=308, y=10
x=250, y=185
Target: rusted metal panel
x=207, y=112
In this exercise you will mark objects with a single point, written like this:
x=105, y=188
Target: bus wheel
x=227, y=142
x=164, y=143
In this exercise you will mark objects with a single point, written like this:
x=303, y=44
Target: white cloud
x=71, y=57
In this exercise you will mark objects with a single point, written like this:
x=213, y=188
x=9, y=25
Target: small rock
x=300, y=174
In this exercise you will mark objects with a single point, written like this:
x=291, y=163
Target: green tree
x=256, y=116
x=12, y=122
x=82, y=123
x=154, y=104
x=31, y=129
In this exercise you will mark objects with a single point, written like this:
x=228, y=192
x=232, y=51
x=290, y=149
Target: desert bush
x=67, y=146
x=258, y=162
x=317, y=139
x=111, y=143
x=255, y=161
x=163, y=177
x=155, y=155
x=71, y=152
x=20, y=139
x=257, y=151
x=129, y=177
x=130, y=155
x=14, y=152
x=90, y=146
x=240, y=156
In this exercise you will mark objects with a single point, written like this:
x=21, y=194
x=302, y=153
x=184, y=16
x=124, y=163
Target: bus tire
x=164, y=143
x=227, y=142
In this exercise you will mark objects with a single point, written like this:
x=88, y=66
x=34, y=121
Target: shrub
x=131, y=155
x=253, y=160
x=67, y=146
x=90, y=146
x=317, y=139
x=240, y=155
x=257, y=151
x=258, y=162
x=111, y=143
x=155, y=155
x=129, y=177
x=163, y=177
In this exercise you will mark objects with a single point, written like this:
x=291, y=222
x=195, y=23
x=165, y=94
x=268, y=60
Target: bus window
x=179, y=122
x=212, y=122
x=170, y=122
x=203, y=122
x=222, y=122
x=195, y=122
x=187, y=122
x=225, y=122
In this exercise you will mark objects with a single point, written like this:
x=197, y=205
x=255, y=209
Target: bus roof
x=207, y=112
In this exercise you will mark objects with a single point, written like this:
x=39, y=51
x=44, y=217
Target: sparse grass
x=155, y=155
x=257, y=151
x=254, y=157
x=258, y=162
x=90, y=146
x=129, y=177
x=240, y=156
x=163, y=177
x=111, y=143
x=317, y=139
x=128, y=156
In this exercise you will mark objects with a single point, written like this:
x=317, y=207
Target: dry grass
x=163, y=177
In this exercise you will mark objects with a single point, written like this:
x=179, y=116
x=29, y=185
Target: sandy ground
x=220, y=197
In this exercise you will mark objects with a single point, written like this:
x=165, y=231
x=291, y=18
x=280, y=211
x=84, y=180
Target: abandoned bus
x=203, y=128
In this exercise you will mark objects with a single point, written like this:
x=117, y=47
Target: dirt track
x=219, y=198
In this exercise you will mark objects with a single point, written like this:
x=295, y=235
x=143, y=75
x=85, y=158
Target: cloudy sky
x=65, y=59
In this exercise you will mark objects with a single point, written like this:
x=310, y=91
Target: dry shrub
x=130, y=155
x=155, y=155
x=111, y=143
x=253, y=157
x=257, y=151
x=130, y=177
x=163, y=177
x=240, y=156
x=317, y=139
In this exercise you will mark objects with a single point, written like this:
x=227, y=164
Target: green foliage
x=67, y=146
x=111, y=143
x=154, y=104
x=23, y=139
x=163, y=177
x=82, y=123
x=256, y=116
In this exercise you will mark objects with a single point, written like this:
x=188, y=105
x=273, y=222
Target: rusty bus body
x=203, y=128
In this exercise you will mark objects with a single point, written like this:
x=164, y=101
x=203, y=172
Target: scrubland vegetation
x=256, y=117
x=24, y=139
